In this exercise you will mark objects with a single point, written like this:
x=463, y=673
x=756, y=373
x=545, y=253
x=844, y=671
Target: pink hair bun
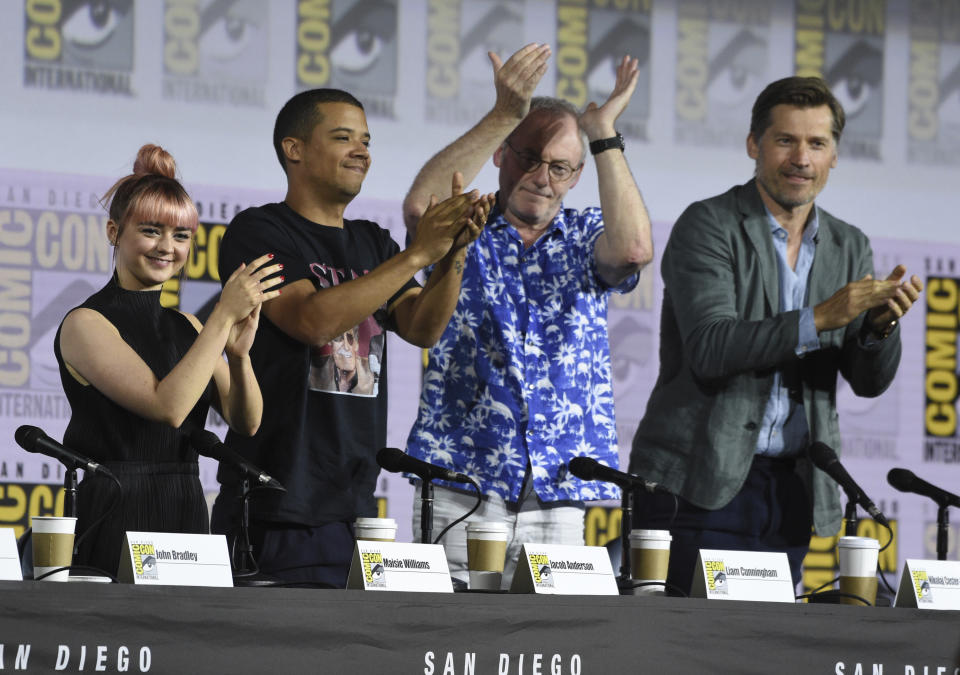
x=154, y=159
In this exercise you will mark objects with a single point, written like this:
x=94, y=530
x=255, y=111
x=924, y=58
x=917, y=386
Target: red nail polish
x=270, y=254
x=282, y=279
x=281, y=265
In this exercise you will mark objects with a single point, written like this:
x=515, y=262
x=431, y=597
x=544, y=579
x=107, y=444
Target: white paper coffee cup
x=650, y=559
x=52, y=545
x=486, y=552
x=375, y=529
x=858, y=568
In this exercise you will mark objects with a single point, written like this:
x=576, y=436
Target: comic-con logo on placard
x=81, y=45
x=592, y=37
x=722, y=64
x=716, y=571
x=351, y=45
x=933, y=90
x=374, y=573
x=541, y=570
x=145, y=561
x=842, y=42
x=941, y=443
x=921, y=586
x=459, y=77
x=214, y=51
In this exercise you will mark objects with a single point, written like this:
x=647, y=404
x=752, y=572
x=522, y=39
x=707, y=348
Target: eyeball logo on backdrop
x=350, y=45
x=843, y=42
x=933, y=90
x=722, y=63
x=591, y=40
x=83, y=45
x=459, y=79
x=214, y=51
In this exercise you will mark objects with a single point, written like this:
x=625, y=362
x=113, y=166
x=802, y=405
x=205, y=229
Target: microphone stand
x=426, y=511
x=70, y=493
x=943, y=530
x=625, y=580
x=850, y=515
x=243, y=575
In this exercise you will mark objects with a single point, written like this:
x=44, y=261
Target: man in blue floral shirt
x=520, y=381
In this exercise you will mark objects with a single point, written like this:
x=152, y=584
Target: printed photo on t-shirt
x=350, y=363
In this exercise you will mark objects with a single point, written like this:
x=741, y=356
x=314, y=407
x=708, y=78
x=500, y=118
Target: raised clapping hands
x=887, y=300
x=452, y=223
x=905, y=294
x=242, y=297
x=598, y=121
x=516, y=79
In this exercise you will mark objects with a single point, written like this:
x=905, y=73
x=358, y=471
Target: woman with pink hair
x=140, y=377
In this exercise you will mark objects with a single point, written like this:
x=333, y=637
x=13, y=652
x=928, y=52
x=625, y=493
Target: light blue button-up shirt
x=783, y=431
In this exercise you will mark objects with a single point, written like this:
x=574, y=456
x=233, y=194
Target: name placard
x=552, y=569
x=929, y=584
x=392, y=566
x=10, y=569
x=172, y=559
x=743, y=575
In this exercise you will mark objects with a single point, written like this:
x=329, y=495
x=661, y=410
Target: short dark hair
x=300, y=115
x=802, y=92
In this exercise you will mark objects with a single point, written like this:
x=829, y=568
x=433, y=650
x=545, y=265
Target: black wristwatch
x=596, y=147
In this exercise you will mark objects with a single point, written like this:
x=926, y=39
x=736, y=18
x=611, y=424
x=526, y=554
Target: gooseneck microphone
x=906, y=481
x=825, y=459
x=32, y=439
x=208, y=444
x=397, y=461
x=587, y=468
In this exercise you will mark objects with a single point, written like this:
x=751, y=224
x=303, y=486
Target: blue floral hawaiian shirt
x=522, y=371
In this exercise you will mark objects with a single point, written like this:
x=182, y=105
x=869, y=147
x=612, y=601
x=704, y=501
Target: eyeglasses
x=560, y=172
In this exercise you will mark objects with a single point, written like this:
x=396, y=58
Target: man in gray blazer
x=766, y=299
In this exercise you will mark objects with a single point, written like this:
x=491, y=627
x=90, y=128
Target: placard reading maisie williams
x=10, y=569
x=389, y=566
x=171, y=559
x=743, y=575
x=551, y=569
x=929, y=584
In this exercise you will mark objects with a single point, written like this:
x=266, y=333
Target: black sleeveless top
x=155, y=463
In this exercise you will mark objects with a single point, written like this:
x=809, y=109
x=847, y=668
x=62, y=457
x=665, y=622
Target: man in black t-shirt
x=320, y=353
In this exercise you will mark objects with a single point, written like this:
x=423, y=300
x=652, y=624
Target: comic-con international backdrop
x=86, y=83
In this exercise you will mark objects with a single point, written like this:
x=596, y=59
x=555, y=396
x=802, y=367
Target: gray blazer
x=722, y=337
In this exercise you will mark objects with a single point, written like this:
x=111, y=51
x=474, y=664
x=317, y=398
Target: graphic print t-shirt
x=325, y=408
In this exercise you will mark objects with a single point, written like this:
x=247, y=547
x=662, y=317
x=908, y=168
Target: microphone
x=32, y=439
x=397, y=461
x=825, y=459
x=906, y=481
x=587, y=468
x=208, y=444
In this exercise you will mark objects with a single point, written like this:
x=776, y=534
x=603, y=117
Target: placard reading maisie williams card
x=743, y=575
x=551, y=569
x=10, y=569
x=171, y=559
x=929, y=584
x=389, y=566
